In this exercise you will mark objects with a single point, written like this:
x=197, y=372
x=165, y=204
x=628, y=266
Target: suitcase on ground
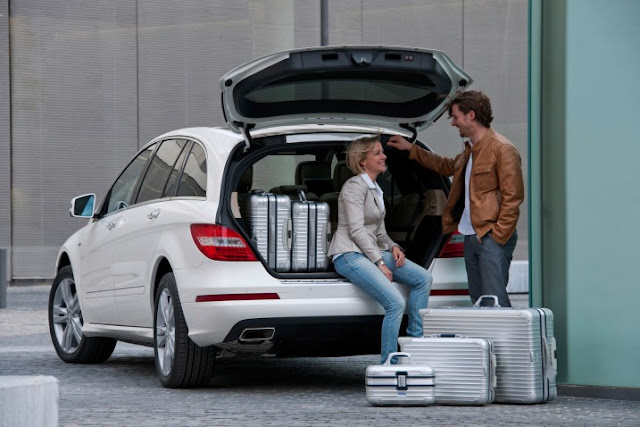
x=311, y=235
x=268, y=218
x=465, y=368
x=405, y=385
x=523, y=342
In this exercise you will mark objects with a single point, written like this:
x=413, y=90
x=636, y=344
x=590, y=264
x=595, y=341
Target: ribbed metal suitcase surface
x=465, y=368
x=311, y=230
x=523, y=342
x=268, y=217
x=406, y=384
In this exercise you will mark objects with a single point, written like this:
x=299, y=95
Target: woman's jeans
x=360, y=271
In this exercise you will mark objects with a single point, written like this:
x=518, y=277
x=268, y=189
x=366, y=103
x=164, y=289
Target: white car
x=167, y=258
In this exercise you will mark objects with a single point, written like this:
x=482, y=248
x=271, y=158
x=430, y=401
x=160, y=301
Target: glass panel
x=277, y=170
x=160, y=169
x=122, y=193
x=172, y=183
x=392, y=94
x=193, y=181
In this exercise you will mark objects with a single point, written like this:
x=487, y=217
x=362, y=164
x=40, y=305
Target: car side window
x=193, y=182
x=172, y=183
x=123, y=191
x=161, y=166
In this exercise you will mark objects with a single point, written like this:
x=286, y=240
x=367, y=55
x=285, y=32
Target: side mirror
x=83, y=206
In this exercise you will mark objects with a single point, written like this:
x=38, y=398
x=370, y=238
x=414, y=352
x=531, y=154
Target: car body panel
x=119, y=258
x=395, y=87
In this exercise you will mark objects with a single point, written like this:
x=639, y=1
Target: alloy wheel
x=165, y=332
x=66, y=316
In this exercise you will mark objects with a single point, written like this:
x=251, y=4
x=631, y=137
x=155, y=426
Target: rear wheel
x=180, y=363
x=65, y=324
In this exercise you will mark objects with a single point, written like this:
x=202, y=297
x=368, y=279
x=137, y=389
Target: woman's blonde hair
x=357, y=151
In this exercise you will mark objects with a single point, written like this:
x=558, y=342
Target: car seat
x=341, y=173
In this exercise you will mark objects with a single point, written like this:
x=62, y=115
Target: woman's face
x=374, y=162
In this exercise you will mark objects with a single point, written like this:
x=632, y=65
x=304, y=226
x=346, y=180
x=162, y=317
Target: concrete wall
x=85, y=83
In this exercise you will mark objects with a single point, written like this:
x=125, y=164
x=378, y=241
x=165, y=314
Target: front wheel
x=65, y=324
x=180, y=363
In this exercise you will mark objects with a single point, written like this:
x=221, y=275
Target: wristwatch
x=380, y=262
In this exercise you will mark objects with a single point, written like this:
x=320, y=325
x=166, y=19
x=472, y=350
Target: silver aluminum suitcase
x=465, y=368
x=311, y=235
x=268, y=218
x=523, y=342
x=407, y=384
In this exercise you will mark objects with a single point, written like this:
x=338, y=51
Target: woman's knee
x=395, y=307
x=428, y=279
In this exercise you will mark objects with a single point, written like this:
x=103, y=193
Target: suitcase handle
x=447, y=336
x=494, y=364
x=493, y=297
x=398, y=354
x=549, y=360
x=287, y=232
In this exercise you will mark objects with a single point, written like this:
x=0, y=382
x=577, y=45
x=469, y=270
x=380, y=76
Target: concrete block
x=29, y=401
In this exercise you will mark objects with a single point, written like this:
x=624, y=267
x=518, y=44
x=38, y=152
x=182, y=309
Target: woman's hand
x=398, y=255
x=386, y=272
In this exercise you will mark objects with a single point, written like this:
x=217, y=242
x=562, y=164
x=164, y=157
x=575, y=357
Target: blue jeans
x=487, y=265
x=360, y=271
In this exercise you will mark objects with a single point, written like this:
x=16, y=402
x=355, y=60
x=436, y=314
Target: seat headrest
x=311, y=169
x=341, y=173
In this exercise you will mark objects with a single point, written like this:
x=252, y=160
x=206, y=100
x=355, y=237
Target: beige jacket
x=496, y=187
x=360, y=222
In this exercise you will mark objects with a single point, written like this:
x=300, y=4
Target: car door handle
x=111, y=225
x=153, y=214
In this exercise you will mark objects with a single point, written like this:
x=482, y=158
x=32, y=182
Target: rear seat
x=293, y=191
x=316, y=176
x=341, y=174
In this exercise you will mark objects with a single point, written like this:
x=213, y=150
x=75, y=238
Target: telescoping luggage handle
x=493, y=297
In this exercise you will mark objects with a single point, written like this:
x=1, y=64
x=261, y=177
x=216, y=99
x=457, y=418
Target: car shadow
x=255, y=372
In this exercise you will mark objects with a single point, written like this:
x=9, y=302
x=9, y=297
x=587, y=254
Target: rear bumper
x=237, y=295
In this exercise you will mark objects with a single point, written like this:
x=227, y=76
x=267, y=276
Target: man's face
x=462, y=121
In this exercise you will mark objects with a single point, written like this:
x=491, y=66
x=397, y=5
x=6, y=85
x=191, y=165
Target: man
x=485, y=197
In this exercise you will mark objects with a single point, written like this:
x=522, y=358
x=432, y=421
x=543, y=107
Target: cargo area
x=313, y=166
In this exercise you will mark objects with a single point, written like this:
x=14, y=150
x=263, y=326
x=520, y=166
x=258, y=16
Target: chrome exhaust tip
x=257, y=335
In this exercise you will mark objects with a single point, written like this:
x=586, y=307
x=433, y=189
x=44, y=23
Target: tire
x=65, y=324
x=180, y=363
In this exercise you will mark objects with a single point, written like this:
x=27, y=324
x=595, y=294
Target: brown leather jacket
x=496, y=187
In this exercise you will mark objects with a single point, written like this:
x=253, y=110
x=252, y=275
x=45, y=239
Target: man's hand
x=399, y=143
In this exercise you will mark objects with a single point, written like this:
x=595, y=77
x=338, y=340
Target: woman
x=364, y=253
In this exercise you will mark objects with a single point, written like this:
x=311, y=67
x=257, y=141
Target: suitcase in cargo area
x=465, y=368
x=406, y=384
x=311, y=235
x=268, y=218
x=523, y=342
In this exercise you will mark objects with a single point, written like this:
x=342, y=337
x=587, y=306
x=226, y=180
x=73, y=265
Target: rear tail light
x=221, y=243
x=454, y=247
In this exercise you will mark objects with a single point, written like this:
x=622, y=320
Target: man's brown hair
x=476, y=101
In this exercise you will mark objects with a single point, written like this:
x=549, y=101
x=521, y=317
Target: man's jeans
x=487, y=265
x=360, y=271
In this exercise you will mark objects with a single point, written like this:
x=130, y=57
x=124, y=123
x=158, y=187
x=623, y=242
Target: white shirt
x=465, y=227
